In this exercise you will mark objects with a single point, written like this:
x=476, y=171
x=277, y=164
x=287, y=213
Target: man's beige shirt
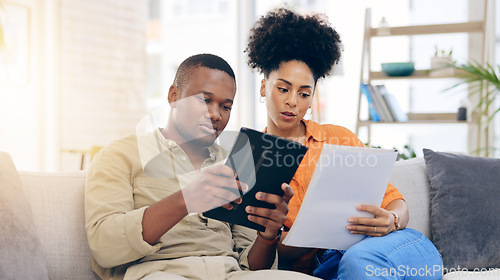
x=131, y=174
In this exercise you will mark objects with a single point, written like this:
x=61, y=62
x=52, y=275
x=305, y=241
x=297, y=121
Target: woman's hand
x=381, y=224
x=272, y=219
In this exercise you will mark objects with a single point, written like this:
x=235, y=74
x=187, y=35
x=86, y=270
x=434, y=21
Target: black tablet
x=262, y=161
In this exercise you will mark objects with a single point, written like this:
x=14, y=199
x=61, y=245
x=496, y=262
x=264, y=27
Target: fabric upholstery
x=465, y=195
x=57, y=202
x=21, y=253
x=410, y=178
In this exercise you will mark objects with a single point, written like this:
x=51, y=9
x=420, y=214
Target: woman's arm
x=263, y=251
x=383, y=221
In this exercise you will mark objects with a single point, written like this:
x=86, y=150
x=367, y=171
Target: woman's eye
x=284, y=90
x=304, y=94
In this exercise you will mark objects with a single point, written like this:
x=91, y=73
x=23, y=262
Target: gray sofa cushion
x=57, y=201
x=410, y=178
x=20, y=250
x=465, y=195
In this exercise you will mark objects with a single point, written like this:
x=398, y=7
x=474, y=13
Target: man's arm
x=162, y=216
x=110, y=218
x=209, y=190
x=117, y=232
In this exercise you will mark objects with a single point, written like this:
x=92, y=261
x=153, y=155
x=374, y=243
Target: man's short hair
x=201, y=60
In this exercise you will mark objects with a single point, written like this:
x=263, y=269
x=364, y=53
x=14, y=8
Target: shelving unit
x=367, y=75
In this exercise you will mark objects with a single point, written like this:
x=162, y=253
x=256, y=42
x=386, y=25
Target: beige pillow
x=21, y=255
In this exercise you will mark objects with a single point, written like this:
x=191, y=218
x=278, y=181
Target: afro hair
x=283, y=35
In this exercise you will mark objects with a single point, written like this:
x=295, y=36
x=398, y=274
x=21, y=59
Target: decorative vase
x=441, y=66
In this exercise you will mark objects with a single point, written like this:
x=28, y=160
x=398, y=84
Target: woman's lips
x=287, y=116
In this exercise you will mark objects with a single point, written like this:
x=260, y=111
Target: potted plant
x=440, y=63
x=483, y=82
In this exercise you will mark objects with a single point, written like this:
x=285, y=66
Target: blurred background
x=75, y=75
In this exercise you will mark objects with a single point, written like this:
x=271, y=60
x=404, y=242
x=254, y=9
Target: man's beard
x=189, y=138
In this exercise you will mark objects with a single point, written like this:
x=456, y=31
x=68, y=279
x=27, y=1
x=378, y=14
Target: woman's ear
x=173, y=95
x=263, y=88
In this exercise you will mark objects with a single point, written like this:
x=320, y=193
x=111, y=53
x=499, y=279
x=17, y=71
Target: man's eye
x=227, y=108
x=203, y=99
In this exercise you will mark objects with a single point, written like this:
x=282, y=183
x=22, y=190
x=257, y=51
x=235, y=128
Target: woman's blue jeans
x=403, y=254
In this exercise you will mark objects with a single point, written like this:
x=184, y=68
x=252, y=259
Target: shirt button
x=183, y=158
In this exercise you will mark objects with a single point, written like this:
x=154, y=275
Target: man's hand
x=213, y=187
x=272, y=219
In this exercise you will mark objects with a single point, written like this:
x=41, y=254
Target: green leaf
x=481, y=80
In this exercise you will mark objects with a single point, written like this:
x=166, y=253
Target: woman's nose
x=291, y=100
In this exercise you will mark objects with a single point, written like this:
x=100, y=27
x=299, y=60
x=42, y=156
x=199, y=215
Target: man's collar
x=214, y=149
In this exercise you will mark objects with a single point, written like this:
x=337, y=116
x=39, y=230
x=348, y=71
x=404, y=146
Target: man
x=143, y=210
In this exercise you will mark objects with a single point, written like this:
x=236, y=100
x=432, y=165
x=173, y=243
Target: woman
x=294, y=51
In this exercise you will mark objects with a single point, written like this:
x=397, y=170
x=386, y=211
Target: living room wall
x=103, y=73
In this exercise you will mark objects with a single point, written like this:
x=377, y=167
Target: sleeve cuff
x=133, y=232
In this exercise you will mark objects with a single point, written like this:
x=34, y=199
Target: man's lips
x=209, y=128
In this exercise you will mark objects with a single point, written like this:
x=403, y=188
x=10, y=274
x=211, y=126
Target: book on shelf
x=371, y=106
x=392, y=103
x=380, y=105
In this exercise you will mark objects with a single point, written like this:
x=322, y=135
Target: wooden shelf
x=421, y=118
x=417, y=74
x=464, y=27
x=367, y=123
x=368, y=75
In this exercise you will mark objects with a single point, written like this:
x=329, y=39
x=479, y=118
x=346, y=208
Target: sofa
x=51, y=206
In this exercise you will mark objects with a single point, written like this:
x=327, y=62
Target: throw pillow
x=465, y=196
x=21, y=255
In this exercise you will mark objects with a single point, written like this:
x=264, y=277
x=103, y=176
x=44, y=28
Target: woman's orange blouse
x=316, y=136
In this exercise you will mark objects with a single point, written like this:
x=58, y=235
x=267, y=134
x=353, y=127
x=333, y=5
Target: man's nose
x=213, y=112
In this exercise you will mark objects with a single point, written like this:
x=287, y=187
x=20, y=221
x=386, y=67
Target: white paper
x=344, y=177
